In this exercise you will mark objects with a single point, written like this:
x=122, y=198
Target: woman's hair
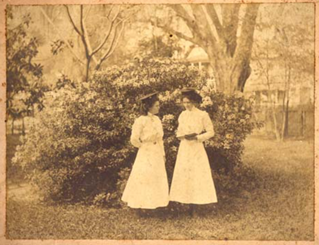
x=192, y=96
x=147, y=104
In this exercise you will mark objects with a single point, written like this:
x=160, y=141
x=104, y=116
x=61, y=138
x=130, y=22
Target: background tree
x=287, y=48
x=97, y=49
x=24, y=84
x=226, y=39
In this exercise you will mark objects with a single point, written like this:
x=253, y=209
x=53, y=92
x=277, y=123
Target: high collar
x=150, y=115
x=192, y=110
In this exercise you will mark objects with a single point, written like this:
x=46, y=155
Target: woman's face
x=187, y=104
x=155, y=108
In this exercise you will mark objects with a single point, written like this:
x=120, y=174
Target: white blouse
x=195, y=121
x=147, y=129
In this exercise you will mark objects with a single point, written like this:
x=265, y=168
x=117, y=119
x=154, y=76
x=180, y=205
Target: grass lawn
x=12, y=142
x=280, y=207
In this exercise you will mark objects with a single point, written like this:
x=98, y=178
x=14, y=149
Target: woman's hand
x=180, y=137
x=152, y=138
x=191, y=137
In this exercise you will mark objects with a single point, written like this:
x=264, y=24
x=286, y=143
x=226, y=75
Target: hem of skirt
x=193, y=202
x=145, y=207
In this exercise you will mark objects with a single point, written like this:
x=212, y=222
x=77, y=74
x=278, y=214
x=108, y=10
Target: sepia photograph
x=181, y=121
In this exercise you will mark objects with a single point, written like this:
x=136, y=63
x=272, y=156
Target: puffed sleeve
x=136, y=132
x=161, y=140
x=180, y=129
x=209, y=128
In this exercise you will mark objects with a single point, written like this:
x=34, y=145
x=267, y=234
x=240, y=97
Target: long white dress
x=192, y=181
x=147, y=186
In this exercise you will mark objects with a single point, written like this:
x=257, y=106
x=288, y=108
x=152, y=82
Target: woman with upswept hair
x=147, y=186
x=192, y=181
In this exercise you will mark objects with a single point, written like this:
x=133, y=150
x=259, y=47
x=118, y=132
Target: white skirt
x=192, y=181
x=147, y=186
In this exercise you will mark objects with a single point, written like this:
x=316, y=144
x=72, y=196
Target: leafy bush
x=25, y=87
x=80, y=141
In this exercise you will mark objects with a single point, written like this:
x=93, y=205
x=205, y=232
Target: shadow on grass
x=269, y=198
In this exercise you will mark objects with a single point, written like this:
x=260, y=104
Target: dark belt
x=149, y=142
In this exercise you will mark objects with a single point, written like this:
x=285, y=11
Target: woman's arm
x=180, y=132
x=136, y=133
x=161, y=142
x=209, y=128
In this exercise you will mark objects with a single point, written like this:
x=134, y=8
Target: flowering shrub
x=74, y=147
x=232, y=117
x=79, y=150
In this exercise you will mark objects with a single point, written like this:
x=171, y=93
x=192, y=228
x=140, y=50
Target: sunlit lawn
x=280, y=208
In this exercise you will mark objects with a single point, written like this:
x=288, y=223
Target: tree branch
x=108, y=33
x=86, y=50
x=196, y=27
x=109, y=14
x=117, y=41
x=229, y=13
x=189, y=20
x=111, y=47
x=86, y=40
x=214, y=18
x=88, y=12
x=61, y=36
x=71, y=20
x=104, y=40
x=182, y=13
x=245, y=40
x=117, y=14
x=179, y=34
x=202, y=23
x=230, y=24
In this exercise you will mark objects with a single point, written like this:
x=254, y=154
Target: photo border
x=4, y=241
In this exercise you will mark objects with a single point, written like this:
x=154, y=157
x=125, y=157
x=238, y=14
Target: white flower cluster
x=206, y=102
x=168, y=117
x=165, y=97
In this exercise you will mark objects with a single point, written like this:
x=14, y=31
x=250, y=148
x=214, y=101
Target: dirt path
x=22, y=192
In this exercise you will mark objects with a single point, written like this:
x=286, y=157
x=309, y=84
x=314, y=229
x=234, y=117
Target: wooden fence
x=300, y=121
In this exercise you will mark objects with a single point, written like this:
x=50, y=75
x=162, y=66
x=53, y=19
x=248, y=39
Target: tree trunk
x=221, y=69
x=87, y=69
x=274, y=116
x=241, y=60
x=12, y=126
x=286, y=102
x=230, y=80
x=244, y=75
x=235, y=60
x=287, y=120
x=228, y=54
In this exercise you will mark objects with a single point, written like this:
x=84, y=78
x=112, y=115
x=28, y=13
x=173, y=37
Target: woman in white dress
x=192, y=181
x=147, y=186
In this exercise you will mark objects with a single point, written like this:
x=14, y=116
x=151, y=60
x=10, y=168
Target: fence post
x=303, y=123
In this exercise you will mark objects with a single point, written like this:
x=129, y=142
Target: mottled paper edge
x=3, y=240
